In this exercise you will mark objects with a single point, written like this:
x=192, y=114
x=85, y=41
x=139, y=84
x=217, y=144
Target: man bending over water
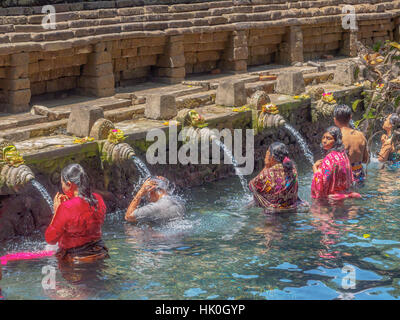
x=162, y=206
x=353, y=140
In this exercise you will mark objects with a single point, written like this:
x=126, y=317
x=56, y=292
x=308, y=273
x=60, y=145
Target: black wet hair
x=76, y=174
x=342, y=113
x=279, y=152
x=337, y=135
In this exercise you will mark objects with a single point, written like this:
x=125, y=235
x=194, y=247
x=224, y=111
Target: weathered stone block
x=345, y=73
x=160, y=107
x=19, y=59
x=208, y=56
x=17, y=84
x=291, y=83
x=82, y=119
x=171, y=72
x=171, y=62
x=19, y=97
x=17, y=72
x=106, y=81
x=99, y=57
x=231, y=93
x=98, y=70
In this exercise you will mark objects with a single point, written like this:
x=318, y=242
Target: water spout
x=13, y=178
x=276, y=121
x=303, y=145
x=205, y=134
x=42, y=190
x=120, y=152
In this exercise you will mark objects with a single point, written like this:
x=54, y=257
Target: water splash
x=303, y=145
x=44, y=193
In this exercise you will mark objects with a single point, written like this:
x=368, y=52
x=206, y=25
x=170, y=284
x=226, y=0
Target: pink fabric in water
x=333, y=177
x=25, y=256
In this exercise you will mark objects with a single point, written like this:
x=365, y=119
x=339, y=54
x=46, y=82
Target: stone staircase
x=90, y=22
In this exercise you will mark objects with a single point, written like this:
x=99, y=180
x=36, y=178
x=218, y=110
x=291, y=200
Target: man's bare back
x=355, y=144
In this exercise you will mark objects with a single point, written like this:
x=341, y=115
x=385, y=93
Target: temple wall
x=98, y=45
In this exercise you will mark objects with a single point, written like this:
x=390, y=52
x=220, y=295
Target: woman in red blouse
x=78, y=218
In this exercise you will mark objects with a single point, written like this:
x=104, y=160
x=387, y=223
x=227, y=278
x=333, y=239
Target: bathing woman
x=275, y=187
x=390, y=150
x=333, y=176
x=161, y=206
x=78, y=218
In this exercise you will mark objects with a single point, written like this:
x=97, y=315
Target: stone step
x=32, y=131
x=122, y=114
x=196, y=100
x=109, y=103
x=20, y=120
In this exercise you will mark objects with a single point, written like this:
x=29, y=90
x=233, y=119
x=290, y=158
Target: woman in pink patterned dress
x=333, y=176
x=275, y=187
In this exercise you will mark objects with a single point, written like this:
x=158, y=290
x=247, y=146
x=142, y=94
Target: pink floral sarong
x=334, y=178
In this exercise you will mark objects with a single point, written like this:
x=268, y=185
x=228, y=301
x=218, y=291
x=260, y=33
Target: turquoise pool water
x=223, y=251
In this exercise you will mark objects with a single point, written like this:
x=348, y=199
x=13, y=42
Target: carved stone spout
x=13, y=173
x=13, y=178
x=118, y=152
x=270, y=121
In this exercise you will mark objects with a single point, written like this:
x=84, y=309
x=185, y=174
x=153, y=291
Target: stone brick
x=171, y=72
x=290, y=83
x=131, y=52
x=174, y=49
x=33, y=68
x=17, y=84
x=146, y=51
x=17, y=72
x=106, y=81
x=345, y=73
x=171, y=62
x=98, y=70
x=239, y=65
x=99, y=57
x=18, y=59
x=231, y=93
x=82, y=119
x=5, y=60
x=46, y=65
x=160, y=107
x=144, y=61
x=120, y=64
x=208, y=55
x=38, y=88
x=19, y=97
x=98, y=92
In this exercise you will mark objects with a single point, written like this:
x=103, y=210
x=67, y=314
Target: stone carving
x=322, y=111
x=12, y=178
x=258, y=99
x=117, y=153
x=270, y=121
x=101, y=129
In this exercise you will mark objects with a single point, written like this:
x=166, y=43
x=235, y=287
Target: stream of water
x=44, y=193
x=303, y=145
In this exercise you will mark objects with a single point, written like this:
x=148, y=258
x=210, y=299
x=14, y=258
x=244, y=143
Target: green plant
x=381, y=93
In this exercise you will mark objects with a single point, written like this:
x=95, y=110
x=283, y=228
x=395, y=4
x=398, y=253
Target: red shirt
x=76, y=223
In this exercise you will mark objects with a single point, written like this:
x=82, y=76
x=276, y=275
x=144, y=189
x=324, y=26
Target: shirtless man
x=353, y=140
x=162, y=207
